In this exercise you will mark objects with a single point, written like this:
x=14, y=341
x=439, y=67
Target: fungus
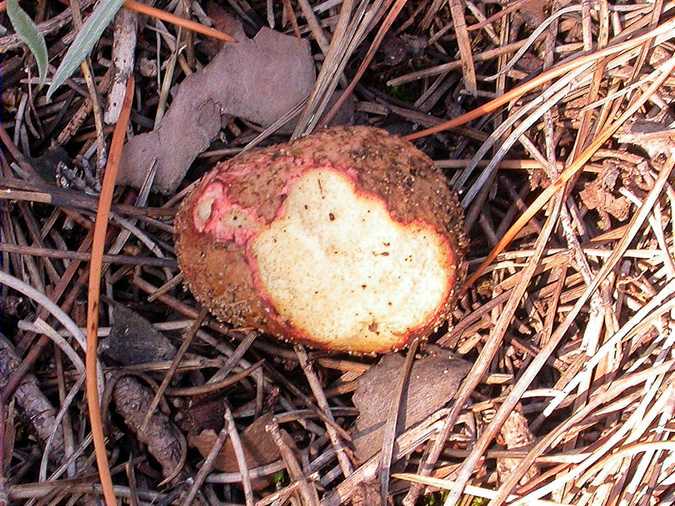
x=327, y=240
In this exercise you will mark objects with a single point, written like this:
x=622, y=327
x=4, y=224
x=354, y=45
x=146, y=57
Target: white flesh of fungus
x=336, y=266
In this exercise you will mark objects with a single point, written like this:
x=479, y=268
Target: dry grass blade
x=178, y=21
x=389, y=437
x=282, y=439
x=665, y=29
x=468, y=69
x=550, y=378
x=568, y=173
x=96, y=264
x=239, y=453
x=321, y=400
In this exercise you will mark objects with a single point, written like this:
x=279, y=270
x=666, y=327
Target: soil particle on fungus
x=292, y=271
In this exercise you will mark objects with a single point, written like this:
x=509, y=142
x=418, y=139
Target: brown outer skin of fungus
x=405, y=179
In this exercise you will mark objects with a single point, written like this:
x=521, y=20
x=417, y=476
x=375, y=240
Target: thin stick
x=239, y=454
x=81, y=255
x=543, y=78
x=85, y=68
x=206, y=467
x=281, y=439
x=465, y=53
x=190, y=334
x=188, y=24
x=565, y=176
x=389, y=435
x=100, y=228
x=315, y=385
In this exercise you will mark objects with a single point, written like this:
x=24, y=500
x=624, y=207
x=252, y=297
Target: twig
x=213, y=387
x=543, y=78
x=321, y=400
x=468, y=70
x=178, y=21
x=105, y=201
x=124, y=45
x=389, y=433
x=239, y=454
x=281, y=438
x=85, y=67
x=206, y=467
x=79, y=255
x=187, y=340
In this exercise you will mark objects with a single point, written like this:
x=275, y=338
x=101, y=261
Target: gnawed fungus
x=347, y=240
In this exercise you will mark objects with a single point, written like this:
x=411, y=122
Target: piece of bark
x=163, y=439
x=257, y=79
x=434, y=380
x=367, y=493
x=515, y=433
x=599, y=195
x=133, y=339
x=34, y=406
x=124, y=45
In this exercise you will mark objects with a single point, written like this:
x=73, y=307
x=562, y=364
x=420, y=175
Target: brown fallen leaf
x=133, y=339
x=259, y=447
x=434, y=380
x=258, y=79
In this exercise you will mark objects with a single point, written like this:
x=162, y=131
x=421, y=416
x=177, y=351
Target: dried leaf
x=133, y=339
x=259, y=447
x=433, y=382
x=28, y=32
x=274, y=72
x=85, y=41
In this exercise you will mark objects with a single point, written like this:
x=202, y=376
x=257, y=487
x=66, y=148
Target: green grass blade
x=28, y=32
x=86, y=38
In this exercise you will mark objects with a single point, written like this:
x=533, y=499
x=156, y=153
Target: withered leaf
x=259, y=448
x=133, y=339
x=258, y=79
x=434, y=380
